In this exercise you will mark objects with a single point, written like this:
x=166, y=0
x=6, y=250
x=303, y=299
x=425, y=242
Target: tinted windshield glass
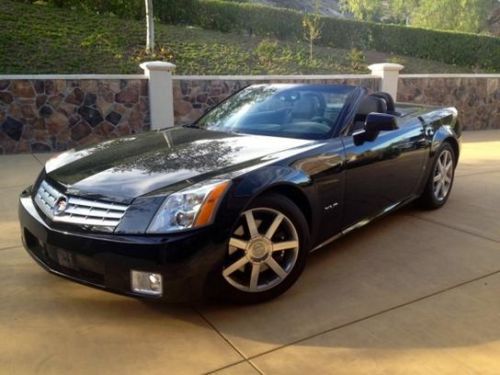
x=297, y=111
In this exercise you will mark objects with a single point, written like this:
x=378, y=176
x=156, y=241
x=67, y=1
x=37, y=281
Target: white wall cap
x=387, y=67
x=157, y=66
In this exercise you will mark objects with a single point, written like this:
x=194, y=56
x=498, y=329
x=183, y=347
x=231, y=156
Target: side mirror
x=376, y=122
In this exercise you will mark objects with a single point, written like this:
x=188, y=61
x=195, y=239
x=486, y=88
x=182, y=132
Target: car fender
x=273, y=178
x=442, y=134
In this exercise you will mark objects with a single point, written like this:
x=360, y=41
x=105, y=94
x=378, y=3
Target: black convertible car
x=232, y=204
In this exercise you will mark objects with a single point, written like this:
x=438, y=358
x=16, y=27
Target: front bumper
x=105, y=261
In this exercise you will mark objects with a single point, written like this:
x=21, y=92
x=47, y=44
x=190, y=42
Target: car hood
x=129, y=167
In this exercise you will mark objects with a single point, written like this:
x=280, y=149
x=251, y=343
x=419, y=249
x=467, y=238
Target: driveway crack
x=234, y=347
x=374, y=315
x=454, y=228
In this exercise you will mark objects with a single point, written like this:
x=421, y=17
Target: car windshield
x=296, y=111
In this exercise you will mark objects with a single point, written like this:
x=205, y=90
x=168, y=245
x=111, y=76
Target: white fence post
x=389, y=74
x=161, y=97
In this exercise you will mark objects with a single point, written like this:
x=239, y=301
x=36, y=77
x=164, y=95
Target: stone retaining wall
x=54, y=113
x=477, y=97
x=43, y=115
x=192, y=97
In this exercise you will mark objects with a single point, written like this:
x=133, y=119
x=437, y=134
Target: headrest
x=372, y=104
x=391, y=106
x=304, y=107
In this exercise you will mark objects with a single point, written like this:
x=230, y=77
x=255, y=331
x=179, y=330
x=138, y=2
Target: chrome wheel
x=262, y=251
x=443, y=175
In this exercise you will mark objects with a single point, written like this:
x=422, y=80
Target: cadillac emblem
x=60, y=206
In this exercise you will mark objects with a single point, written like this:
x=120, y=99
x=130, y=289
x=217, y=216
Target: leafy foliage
x=450, y=47
x=459, y=15
x=366, y=10
x=462, y=15
x=312, y=28
x=356, y=59
x=44, y=39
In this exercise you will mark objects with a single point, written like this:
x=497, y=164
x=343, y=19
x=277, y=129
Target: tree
x=460, y=15
x=366, y=10
x=312, y=28
x=150, y=27
x=401, y=10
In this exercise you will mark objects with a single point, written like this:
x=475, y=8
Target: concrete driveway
x=416, y=292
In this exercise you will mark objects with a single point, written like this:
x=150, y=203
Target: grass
x=41, y=39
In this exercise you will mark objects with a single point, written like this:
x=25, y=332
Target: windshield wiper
x=191, y=125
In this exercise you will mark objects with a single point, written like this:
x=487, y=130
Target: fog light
x=146, y=283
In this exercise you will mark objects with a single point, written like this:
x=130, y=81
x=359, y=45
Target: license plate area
x=66, y=259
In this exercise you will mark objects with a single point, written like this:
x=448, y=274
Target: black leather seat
x=368, y=105
x=391, y=105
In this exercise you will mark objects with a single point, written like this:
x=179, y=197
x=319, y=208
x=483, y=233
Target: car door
x=381, y=172
x=324, y=167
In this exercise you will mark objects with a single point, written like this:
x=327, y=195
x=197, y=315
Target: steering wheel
x=323, y=120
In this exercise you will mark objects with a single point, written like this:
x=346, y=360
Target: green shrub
x=120, y=8
x=241, y=16
x=266, y=51
x=171, y=11
x=356, y=59
x=449, y=47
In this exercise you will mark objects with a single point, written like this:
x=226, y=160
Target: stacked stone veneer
x=192, y=97
x=477, y=98
x=40, y=115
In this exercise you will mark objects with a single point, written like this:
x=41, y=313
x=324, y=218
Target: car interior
x=309, y=114
x=304, y=113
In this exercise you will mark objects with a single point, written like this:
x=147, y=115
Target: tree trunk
x=150, y=27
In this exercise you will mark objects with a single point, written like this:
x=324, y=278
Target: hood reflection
x=138, y=165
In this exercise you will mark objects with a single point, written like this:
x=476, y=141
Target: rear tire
x=440, y=182
x=266, y=253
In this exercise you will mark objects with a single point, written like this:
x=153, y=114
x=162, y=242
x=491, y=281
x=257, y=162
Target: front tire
x=438, y=186
x=267, y=251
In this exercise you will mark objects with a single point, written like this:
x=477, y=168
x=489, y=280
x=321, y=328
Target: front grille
x=74, y=210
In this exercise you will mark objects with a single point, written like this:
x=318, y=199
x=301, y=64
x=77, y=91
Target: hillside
x=41, y=39
x=326, y=7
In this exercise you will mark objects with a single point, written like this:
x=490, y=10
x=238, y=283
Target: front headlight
x=189, y=208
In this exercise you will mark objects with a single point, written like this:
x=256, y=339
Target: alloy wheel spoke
x=449, y=167
x=254, y=277
x=285, y=245
x=445, y=190
x=274, y=225
x=276, y=267
x=252, y=226
x=235, y=266
x=440, y=165
x=437, y=178
x=438, y=189
x=236, y=242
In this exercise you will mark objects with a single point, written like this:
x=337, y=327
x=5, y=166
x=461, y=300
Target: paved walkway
x=416, y=292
